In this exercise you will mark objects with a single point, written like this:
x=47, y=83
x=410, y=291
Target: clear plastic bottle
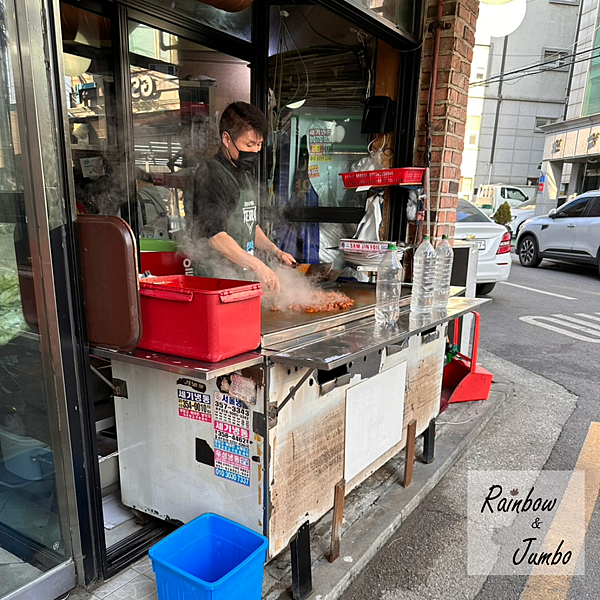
x=423, y=277
x=389, y=281
x=444, y=255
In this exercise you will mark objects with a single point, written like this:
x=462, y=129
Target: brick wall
x=450, y=110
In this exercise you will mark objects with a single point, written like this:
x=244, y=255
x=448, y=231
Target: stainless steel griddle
x=282, y=326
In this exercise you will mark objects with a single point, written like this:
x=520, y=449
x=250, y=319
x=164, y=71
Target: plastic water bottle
x=389, y=281
x=423, y=277
x=444, y=256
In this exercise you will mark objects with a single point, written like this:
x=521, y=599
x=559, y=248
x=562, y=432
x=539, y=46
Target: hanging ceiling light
x=75, y=65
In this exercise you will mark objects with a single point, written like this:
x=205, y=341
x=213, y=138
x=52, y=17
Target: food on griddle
x=320, y=302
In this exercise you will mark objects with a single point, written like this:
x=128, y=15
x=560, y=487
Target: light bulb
x=500, y=20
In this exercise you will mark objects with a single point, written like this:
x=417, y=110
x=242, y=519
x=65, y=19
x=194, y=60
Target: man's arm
x=230, y=249
x=266, y=245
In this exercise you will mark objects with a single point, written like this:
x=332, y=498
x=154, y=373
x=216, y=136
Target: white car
x=493, y=241
x=520, y=214
x=570, y=234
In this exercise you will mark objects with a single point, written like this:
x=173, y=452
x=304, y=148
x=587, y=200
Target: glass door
x=32, y=497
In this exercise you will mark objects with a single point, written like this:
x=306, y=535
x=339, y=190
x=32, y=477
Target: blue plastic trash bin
x=210, y=558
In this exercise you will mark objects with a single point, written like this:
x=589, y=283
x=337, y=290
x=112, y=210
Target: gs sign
x=143, y=87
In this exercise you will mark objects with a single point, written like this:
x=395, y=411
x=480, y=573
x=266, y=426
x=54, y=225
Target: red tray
x=402, y=176
x=200, y=317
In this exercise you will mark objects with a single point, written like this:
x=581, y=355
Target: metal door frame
x=43, y=195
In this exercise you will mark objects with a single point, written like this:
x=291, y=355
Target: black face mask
x=246, y=160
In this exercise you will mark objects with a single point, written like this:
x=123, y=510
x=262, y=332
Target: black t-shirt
x=215, y=195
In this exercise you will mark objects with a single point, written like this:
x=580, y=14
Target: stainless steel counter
x=317, y=340
x=182, y=366
x=339, y=345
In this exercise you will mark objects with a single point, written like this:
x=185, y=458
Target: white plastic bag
x=368, y=228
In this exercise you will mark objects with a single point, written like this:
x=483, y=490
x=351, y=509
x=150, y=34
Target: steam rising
x=296, y=288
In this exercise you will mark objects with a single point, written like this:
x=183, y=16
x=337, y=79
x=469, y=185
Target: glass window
x=594, y=210
x=575, y=208
x=238, y=24
x=469, y=213
x=466, y=184
x=32, y=541
x=556, y=60
x=96, y=143
x=474, y=122
x=179, y=89
x=399, y=13
x=515, y=194
x=591, y=105
x=319, y=78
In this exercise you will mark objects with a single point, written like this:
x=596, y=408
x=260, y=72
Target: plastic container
x=444, y=256
x=389, y=281
x=382, y=177
x=423, y=277
x=200, y=317
x=210, y=558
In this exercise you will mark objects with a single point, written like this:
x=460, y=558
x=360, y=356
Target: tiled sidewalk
x=135, y=583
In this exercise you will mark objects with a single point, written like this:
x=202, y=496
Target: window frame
x=547, y=66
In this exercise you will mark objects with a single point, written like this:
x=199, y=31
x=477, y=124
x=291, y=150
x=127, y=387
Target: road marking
x=588, y=316
x=523, y=287
x=589, y=326
x=556, y=587
x=566, y=324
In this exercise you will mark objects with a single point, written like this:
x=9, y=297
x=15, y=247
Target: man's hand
x=267, y=277
x=285, y=258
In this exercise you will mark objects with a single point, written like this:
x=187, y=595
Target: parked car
x=493, y=241
x=570, y=233
x=490, y=197
x=520, y=214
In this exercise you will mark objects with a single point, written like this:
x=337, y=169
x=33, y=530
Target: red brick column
x=450, y=109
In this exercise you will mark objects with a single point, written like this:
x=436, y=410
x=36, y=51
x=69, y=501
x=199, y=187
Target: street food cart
x=264, y=438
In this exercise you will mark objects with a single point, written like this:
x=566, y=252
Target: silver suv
x=570, y=234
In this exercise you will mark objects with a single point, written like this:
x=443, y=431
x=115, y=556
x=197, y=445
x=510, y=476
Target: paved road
x=528, y=337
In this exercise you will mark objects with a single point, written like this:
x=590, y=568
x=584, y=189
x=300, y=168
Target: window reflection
x=319, y=78
x=179, y=89
x=238, y=24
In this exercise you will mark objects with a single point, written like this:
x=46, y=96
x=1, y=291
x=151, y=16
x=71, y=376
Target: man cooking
x=226, y=197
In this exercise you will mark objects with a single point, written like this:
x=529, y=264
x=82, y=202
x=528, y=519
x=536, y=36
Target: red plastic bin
x=404, y=175
x=200, y=317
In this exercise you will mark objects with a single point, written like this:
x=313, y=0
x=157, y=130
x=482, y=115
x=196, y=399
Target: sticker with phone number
x=235, y=477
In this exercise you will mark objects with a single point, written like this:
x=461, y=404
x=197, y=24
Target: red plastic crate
x=162, y=263
x=404, y=175
x=200, y=317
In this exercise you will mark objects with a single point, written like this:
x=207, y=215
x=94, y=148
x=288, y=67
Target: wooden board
x=306, y=460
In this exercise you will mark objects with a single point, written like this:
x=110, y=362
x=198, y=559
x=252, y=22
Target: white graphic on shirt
x=250, y=216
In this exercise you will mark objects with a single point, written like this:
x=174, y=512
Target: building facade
x=572, y=146
x=519, y=83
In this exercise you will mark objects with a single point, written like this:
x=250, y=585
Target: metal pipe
x=432, y=90
x=497, y=120
x=434, y=68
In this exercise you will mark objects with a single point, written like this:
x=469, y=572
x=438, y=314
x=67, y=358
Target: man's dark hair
x=240, y=117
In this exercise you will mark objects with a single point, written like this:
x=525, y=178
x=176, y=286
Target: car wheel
x=482, y=289
x=528, y=252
